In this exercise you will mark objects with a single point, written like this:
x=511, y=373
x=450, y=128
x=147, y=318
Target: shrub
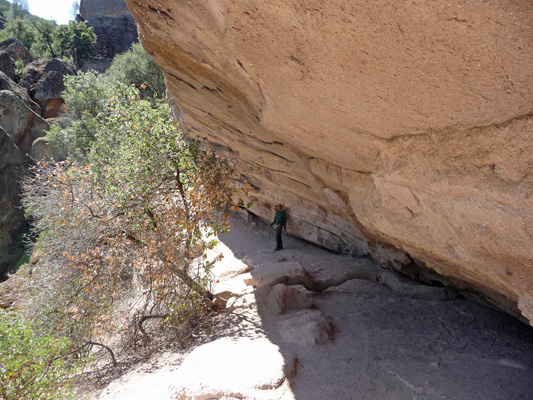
x=31, y=367
x=137, y=67
x=124, y=232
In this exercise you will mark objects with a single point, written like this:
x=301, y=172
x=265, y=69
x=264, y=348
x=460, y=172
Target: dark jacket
x=280, y=219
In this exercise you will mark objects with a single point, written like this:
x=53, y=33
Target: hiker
x=279, y=223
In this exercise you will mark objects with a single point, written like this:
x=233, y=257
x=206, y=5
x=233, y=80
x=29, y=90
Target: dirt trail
x=379, y=336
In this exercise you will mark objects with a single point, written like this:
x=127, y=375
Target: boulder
x=19, y=115
x=42, y=149
x=274, y=273
x=306, y=328
x=227, y=368
x=282, y=298
x=15, y=116
x=7, y=64
x=396, y=130
x=14, y=291
x=6, y=83
x=11, y=214
x=114, y=27
x=16, y=50
x=43, y=79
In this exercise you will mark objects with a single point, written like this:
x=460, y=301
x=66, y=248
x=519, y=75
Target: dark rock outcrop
x=114, y=27
x=16, y=50
x=400, y=131
x=11, y=214
x=7, y=64
x=43, y=79
x=19, y=115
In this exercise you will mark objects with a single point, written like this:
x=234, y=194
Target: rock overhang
x=400, y=131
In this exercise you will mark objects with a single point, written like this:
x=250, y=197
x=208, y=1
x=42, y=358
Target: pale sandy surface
x=386, y=346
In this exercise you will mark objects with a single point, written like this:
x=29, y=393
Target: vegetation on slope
x=47, y=39
x=121, y=225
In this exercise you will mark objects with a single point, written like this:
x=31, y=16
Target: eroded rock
x=16, y=50
x=44, y=81
x=229, y=368
x=114, y=27
x=398, y=131
x=306, y=328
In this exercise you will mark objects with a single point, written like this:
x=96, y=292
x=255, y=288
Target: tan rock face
x=398, y=130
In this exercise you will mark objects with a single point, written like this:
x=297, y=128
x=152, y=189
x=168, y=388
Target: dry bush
x=123, y=234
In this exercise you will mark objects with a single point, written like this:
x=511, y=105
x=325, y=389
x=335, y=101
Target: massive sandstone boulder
x=398, y=130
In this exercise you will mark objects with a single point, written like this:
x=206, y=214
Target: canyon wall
x=114, y=27
x=398, y=130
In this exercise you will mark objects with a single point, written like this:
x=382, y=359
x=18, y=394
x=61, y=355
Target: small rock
x=282, y=298
x=306, y=328
x=274, y=273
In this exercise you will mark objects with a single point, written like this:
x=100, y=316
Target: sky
x=58, y=10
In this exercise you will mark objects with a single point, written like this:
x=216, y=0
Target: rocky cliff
x=398, y=130
x=114, y=27
x=27, y=109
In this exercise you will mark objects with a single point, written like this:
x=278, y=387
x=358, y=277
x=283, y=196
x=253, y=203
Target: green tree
x=45, y=42
x=31, y=366
x=5, y=6
x=19, y=9
x=74, y=9
x=137, y=67
x=76, y=40
x=125, y=232
x=87, y=95
x=20, y=29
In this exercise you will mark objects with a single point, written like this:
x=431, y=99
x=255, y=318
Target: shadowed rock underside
x=399, y=131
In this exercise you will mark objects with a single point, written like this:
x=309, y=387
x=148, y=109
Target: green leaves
x=31, y=367
x=126, y=218
x=46, y=39
x=137, y=67
x=75, y=39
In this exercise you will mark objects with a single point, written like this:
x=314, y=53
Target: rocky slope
x=27, y=109
x=402, y=131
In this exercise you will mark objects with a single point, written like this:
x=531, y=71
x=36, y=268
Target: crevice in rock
x=399, y=284
x=366, y=173
x=462, y=129
x=159, y=11
x=182, y=80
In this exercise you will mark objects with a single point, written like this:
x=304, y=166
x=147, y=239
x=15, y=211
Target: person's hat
x=279, y=205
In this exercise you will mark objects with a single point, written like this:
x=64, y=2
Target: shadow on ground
x=391, y=339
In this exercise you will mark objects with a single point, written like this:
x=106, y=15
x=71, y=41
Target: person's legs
x=279, y=241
